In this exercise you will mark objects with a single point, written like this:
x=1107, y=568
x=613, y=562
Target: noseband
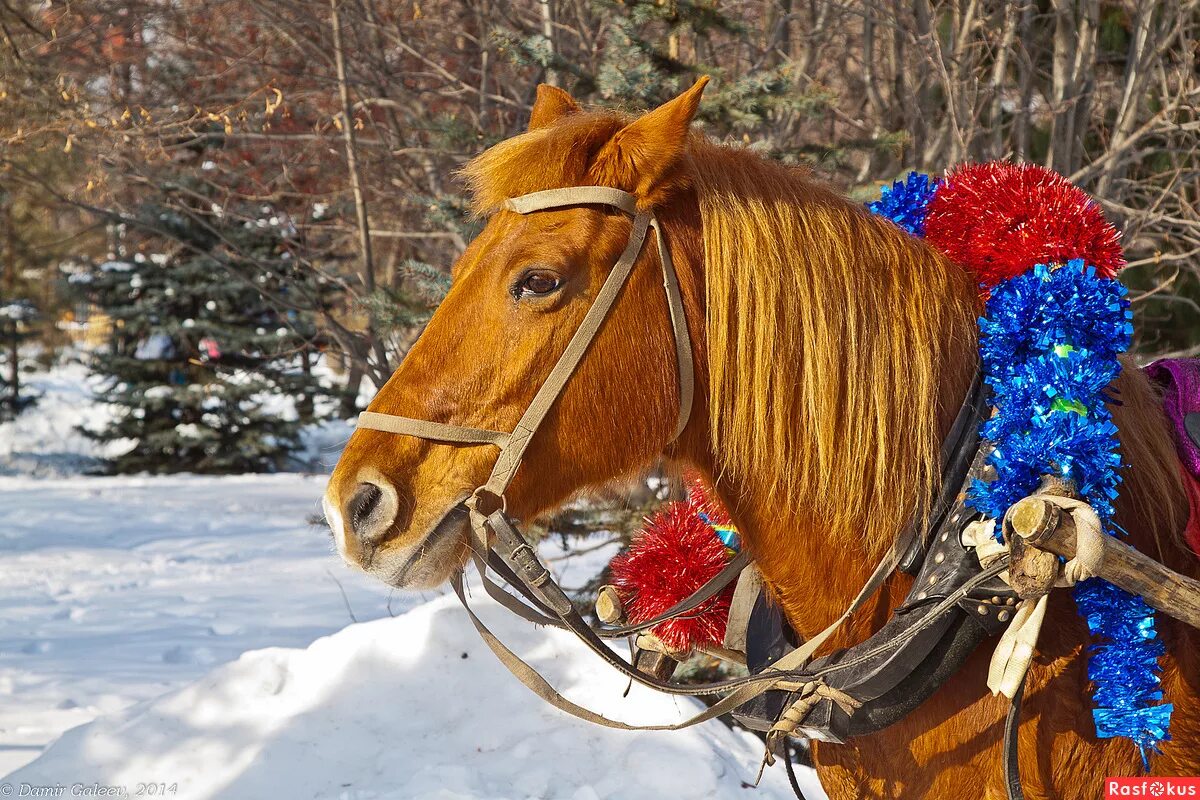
x=512, y=445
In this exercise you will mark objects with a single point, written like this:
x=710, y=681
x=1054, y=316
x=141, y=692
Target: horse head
x=518, y=294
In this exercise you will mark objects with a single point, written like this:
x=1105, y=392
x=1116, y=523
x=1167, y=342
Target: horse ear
x=551, y=105
x=642, y=156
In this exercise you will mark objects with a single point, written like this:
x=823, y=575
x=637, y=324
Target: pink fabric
x=1180, y=379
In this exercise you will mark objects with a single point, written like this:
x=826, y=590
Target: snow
x=45, y=440
x=19, y=310
x=115, y=590
x=200, y=632
x=411, y=707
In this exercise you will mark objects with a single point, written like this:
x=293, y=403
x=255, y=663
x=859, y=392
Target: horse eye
x=534, y=284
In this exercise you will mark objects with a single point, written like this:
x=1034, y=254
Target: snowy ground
x=116, y=590
x=199, y=632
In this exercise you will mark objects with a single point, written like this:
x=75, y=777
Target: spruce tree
x=208, y=367
x=653, y=50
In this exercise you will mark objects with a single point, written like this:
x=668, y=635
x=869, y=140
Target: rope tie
x=1014, y=652
x=811, y=693
x=1089, y=540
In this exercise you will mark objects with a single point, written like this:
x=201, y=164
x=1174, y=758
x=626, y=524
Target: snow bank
x=411, y=707
x=115, y=590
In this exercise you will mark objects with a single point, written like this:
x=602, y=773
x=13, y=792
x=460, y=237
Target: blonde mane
x=832, y=339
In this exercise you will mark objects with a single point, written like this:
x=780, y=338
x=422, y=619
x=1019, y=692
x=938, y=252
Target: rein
x=828, y=698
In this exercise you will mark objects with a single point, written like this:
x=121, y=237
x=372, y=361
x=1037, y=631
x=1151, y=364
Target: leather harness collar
x=908, y=659
x=954, y=604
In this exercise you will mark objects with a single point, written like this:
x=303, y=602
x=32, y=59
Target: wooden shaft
x=1036, y=520
x=648, y=655
x=723, y=653
x=1031, y=570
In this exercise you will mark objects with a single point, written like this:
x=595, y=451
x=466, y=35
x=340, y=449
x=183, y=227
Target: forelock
x=546, y=158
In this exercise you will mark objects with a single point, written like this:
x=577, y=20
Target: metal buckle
x=531, y=567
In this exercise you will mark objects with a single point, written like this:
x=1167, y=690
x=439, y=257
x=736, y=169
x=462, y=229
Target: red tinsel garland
x=999, y=219
x=674, y=554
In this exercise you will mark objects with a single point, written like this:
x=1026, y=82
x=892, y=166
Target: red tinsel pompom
x=675, y=554
x=999, y=219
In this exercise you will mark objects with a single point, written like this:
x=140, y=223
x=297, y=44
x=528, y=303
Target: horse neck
x=814, y=571
x=811, y=576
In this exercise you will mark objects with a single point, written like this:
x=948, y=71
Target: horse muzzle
x=368, y=532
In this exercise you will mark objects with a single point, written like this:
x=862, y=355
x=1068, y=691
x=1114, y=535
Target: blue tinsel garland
x=1049, y=343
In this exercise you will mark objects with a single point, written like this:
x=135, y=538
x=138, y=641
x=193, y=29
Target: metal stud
x=939, y=558
x=1003, y=616
x=982, y=610
x=933, y=579
x=922, y=595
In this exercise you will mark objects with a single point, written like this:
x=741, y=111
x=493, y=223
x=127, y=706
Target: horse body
x=831, y=352
x=815, y=554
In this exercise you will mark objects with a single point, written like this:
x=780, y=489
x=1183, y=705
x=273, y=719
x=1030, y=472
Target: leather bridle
x=494, y=534
x=512, y=445
x=794, y=679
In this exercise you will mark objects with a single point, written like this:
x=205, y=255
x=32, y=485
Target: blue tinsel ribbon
x=1049, y=342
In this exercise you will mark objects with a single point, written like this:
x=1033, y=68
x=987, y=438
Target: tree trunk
x=14, y=370
x=374, y=344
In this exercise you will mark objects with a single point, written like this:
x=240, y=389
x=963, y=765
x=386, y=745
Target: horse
x=832, y=351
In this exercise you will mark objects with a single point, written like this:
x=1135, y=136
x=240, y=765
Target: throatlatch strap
x=679, y=330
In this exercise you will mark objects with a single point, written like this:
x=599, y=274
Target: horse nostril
x=363, y=504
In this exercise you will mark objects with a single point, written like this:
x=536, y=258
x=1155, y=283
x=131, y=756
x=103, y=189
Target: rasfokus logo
x=1151, y=787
